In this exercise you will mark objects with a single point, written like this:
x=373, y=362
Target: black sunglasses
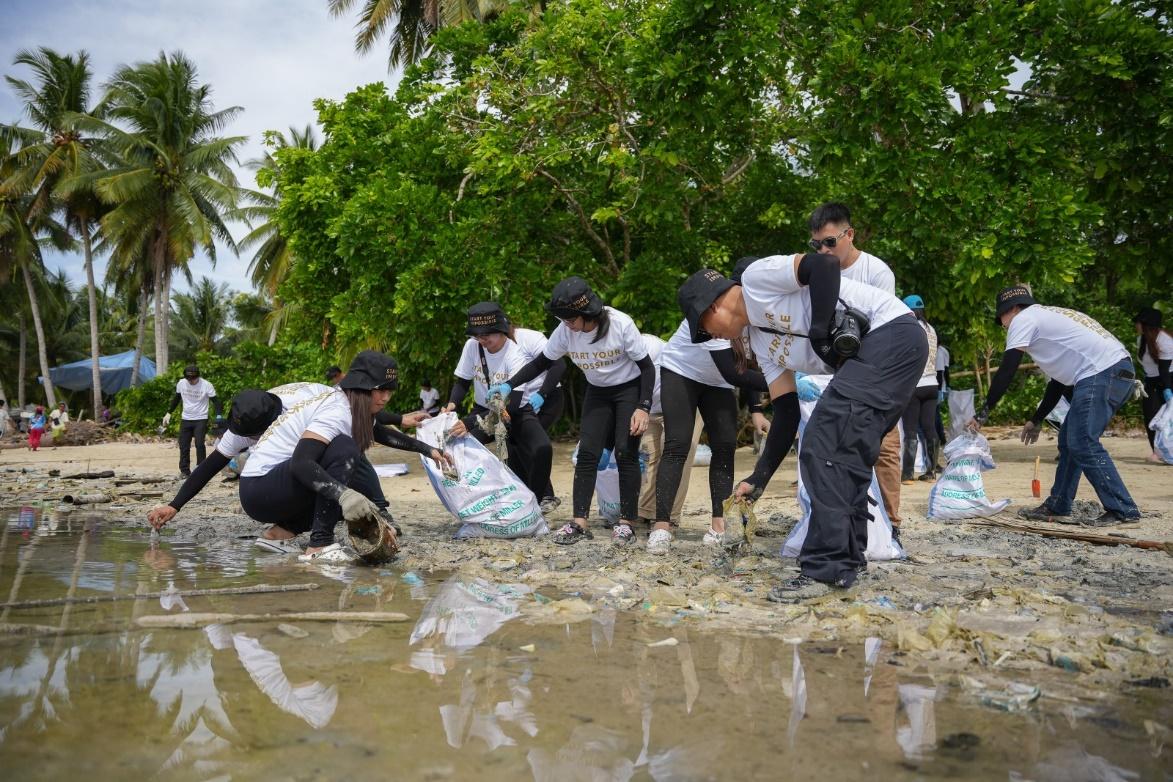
x=829, y=242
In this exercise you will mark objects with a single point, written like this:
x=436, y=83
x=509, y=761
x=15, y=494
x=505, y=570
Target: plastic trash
x=960, y=492
x=704, y=455
x=1162, y=425
x=467, y=611
x=960, y=412
x=487, y=498
x=313, y=702
x=607, y=483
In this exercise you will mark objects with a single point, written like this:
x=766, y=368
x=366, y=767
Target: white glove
x=167, y=419
x=356, y=507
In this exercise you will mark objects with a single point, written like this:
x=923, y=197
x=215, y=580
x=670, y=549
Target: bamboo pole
x=251, y=590
x=198, y=621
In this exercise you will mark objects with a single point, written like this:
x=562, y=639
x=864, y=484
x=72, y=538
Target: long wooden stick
x=250, y=590
x=198, y=621
x=1086, y=537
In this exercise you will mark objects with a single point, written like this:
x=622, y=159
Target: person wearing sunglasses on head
x=607, y=346
x=1077, y=353
x=833, y=234
x=803, y=317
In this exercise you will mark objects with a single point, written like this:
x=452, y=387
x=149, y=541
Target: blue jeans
x=1093, y=403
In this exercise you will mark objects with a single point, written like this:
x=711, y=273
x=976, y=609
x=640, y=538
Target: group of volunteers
x=762, y=331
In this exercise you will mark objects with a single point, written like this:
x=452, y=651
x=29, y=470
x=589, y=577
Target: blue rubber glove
x=808, y=390
x=536, y=400
x=941, y=397
x=604, y=458
x=1168, y=393
x=504, y=389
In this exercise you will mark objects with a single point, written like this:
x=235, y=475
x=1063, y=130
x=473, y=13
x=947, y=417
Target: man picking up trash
x=877, y=351
x=195, y=393
x=1072, y=350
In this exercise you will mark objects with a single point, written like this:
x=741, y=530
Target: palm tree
x=57, y=151
x=23, y=224
x=201, y=317
x=412, y=22
x=174, y=182
x=273, y=259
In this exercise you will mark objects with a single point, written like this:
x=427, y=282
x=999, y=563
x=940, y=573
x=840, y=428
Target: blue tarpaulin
x=115, y=371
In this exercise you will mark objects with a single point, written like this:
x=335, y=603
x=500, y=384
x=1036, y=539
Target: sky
x=270, y=57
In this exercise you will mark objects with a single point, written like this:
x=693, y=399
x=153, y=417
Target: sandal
x=571, y=533
x=334, y=553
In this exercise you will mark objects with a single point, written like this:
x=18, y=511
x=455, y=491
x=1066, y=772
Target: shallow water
x=471, y=687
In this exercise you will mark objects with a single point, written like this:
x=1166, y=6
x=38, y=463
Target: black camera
x=847, y=332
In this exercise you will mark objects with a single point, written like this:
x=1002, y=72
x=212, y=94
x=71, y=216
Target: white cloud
x=271, y=57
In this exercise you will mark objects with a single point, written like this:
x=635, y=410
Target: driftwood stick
x=1086, y=537
x=250, y=590
x=90, y=475
x=198, y=621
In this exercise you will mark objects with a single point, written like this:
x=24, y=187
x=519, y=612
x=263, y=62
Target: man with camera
x=803, y=316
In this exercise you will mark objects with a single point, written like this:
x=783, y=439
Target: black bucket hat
x=191, y=370
x=1008, y=298
x=574, y=298
x=487, y=317
x=252, y=411
x=697, y=294
x=1148, y=317
x=371, y=371
x=743, y=263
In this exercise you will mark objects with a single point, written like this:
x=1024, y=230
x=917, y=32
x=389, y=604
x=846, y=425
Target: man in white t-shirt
x=1073, y=351
x=194, y=393
x=429, y=398
x=832, y=233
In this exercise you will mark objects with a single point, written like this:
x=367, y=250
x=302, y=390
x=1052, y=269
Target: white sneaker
x=334, y=553
x=659, y=541
x=713, y=538
x=287, y=546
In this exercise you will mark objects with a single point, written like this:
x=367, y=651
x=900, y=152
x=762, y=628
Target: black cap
x=332, y=374
x=486, y=317
x=697, y=294
x=1148, y=317
x=252, y=411
x=191, y=370
x=574, y=298
x=372, y=371
x=1008, y=298
x=739, y=268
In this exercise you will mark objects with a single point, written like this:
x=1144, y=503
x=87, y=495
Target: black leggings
x=278, y=498
x=531, y=457
x=1152, y=405
x=606, y=420
x=921, y=413
x=681, y=397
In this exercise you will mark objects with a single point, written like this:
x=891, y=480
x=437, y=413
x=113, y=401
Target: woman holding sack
x=490, y=356
x=297, y=476
x=1154, y=347
x=921, y=412
x=606, y=345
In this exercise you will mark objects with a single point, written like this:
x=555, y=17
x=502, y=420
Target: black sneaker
x=1041, y=513
x=549, y=504
x=571, y=533
x=185, y=474
x=928, y=476
x=1108, y=518
x=800, y=588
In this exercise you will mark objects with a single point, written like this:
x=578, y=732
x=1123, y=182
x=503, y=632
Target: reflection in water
x=586, y=700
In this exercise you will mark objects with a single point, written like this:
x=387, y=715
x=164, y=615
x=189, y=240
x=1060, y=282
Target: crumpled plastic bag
x=466, y=611
x=960, y=492
x=1162, y=425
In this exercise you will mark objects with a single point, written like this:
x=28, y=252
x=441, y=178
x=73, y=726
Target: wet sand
x=970, y=599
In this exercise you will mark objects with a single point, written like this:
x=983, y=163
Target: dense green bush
x=251, y=365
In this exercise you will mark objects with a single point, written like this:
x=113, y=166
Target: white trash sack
x=960, y=412
x=488, y=499
x=1162, y=425
x=881, y=546
x=607, y=484
x=960, y=492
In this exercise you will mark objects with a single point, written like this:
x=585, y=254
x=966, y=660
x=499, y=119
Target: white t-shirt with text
x=655, y=347
x=502, y=365
x=608, y=362
x=870, y=270
x=1067, y=345
x=532, y=344
x=324, y=411
x=290, y=394
x=694, y=361
x=775, y=299
x=195, y=398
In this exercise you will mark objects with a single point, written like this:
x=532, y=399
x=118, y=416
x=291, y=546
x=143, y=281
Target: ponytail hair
x=362, y=420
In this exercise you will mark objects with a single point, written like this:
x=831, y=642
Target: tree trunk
x=141, y=337
x=159, y=252
x=91, y=290
x=22, y=370
x=273, y=334
x=167, y=315
x=35, y=309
